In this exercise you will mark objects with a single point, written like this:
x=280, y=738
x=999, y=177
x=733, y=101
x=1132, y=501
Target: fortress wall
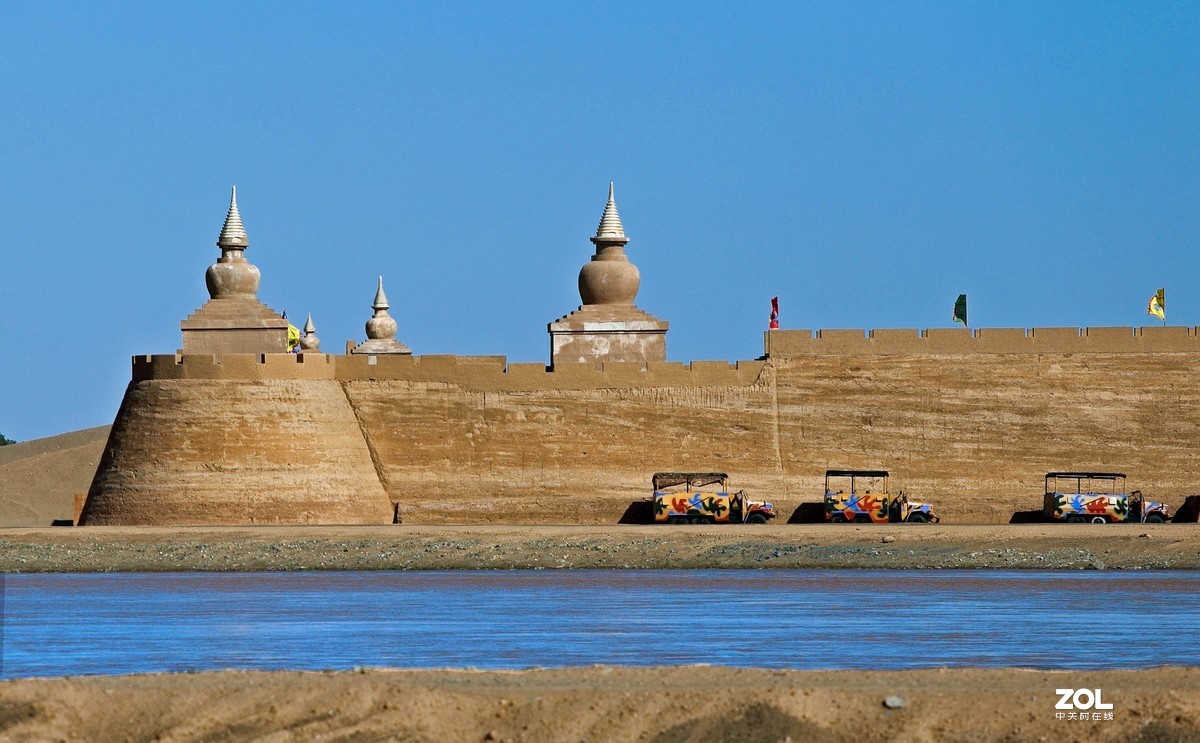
x=258, y=451
x=970, y=434
x=1173, y=339
x=474, y=439
x=976, y=434
x=450, y=454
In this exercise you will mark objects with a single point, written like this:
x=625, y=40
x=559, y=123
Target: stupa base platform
x=597, y=332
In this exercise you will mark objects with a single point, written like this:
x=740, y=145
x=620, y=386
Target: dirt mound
x=758, y=722
x=39, y=478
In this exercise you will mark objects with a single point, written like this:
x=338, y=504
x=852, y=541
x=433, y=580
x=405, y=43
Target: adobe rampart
x=478, y=439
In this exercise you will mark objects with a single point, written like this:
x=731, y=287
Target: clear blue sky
x=865, y=162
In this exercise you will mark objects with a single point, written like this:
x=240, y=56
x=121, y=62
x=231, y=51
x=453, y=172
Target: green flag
x=960, y=310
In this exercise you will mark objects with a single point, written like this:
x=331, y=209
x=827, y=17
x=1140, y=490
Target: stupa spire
x=232, y=275
x=610, y=221
x=233, y=233
x=381, y=300
x=609, y=278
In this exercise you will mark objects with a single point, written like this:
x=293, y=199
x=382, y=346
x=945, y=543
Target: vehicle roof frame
x=1086, y=475
x=690, y=479
x=856, y=473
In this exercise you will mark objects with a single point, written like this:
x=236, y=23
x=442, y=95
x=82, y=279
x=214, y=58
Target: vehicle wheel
x=1155, y=518
x=1099, y=520
x=862, y=518
x=1074, y=518
x=676, y=520
x=756, y=518
x=701, y=520
x=917, y=518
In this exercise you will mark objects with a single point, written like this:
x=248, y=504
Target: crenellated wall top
x=496, y=373
x=1170, y=339
x=483, y=373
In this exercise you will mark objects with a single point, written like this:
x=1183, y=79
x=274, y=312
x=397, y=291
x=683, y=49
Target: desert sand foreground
x=602, y=704
x=402, y=547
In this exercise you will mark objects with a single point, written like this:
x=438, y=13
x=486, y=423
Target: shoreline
x=661, y=704
x=519, y=547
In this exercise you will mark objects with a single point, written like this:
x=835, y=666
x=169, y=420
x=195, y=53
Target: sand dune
x=39, y=478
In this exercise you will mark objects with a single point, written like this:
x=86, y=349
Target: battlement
x=469, y=372
x=496, y=373
x=892, y=341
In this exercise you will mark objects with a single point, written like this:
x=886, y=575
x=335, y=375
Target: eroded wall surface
x=271, y=451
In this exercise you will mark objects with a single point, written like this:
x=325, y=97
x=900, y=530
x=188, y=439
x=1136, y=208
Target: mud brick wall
x=970, y=420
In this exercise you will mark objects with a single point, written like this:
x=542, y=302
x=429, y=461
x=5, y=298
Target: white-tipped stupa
x=610, y=223
x=233, y=234
x=381, y=300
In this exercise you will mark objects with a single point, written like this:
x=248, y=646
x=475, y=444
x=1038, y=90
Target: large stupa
x=607, y=326
x=233, y=320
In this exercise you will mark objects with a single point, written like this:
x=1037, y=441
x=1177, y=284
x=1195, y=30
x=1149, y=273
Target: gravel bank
x=102, y=549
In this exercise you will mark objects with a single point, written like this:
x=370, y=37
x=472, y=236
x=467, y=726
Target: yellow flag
x=1158, y=305
x=293, y=336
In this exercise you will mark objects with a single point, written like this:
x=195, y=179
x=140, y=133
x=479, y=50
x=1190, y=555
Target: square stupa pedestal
x=377, y=346
x=234, y=325
x=597, y=332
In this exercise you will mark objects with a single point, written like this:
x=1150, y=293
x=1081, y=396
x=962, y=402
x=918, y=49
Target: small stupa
x=309, y=342
x=608, y=327
x=233, y=320
x=381, y=329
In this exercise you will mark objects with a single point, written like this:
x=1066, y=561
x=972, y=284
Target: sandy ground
x=404, y=547
x=662, y=705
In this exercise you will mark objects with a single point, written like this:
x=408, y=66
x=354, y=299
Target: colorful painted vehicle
x=861, y=497
x=1098, y=498
x=679, y=499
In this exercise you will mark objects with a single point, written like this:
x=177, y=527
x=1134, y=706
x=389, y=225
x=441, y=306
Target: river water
x=68, y=624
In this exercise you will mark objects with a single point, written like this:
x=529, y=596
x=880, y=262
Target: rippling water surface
x=809, y=619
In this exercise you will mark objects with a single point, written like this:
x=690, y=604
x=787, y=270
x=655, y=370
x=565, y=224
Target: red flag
x=774, y=313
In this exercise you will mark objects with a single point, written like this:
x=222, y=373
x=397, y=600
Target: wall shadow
x=1028, y=517
x=639, y=512
x=1189, y=512
x=808, y=513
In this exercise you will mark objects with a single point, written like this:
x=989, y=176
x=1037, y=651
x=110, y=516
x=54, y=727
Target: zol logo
x=1080, y=699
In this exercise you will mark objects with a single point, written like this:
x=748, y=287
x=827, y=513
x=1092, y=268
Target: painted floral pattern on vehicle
x=875, y=508
x=1109, y=507
x=843, y=506
x=708, y=508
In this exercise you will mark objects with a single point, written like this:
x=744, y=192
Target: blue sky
x=864, y=162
